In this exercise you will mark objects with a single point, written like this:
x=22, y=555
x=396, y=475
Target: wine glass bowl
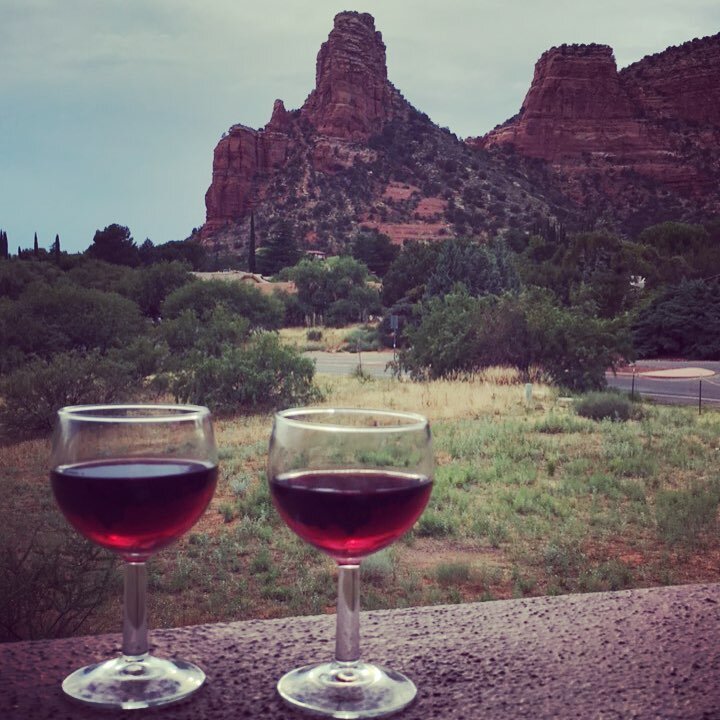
x=133, y=478
x=349, y=482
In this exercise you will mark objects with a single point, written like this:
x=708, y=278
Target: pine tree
x=251, y=248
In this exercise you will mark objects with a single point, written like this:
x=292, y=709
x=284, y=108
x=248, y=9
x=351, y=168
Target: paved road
x=679, y=390
x=343, y=363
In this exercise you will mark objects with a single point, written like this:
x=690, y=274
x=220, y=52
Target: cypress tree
x=56, y=247
x=36, y=249
x=251, y=248
x=3, y=244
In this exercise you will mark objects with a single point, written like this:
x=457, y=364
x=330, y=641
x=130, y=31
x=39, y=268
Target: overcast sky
x=110, y=109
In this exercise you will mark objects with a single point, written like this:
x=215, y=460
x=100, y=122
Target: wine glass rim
x=414, y=421
x=165, y=412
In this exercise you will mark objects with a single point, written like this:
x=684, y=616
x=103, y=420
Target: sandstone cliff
x=357, y=157
x=600, y=129
x=590, y=145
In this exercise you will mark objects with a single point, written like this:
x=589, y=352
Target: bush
x=204, y=296
x=605, y=406
x=34, y=392
x=262, y=375
x=362, y=339
x=52, y=583
x=314, y=334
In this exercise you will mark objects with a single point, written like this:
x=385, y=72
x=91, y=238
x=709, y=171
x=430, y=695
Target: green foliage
x=680, y=321
x=407, y=275
x=605, y=406
x=189, y=337
x=461, y=333
x=483, y=268
x=279, y=250
x=335, y=289
x=674, y=251
x=362, y=339
x=264, y=374
x=375, y=250
x=115, y=245
x=149, y=286
x=47, y=319
x=202, y=297
x=34, y=392
x=592, y=267
x=314, y=334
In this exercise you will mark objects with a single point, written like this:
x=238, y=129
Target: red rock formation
x=581, y=115
x=351, y=101
x=242, y=162
x=680, y=83
x=352, y=96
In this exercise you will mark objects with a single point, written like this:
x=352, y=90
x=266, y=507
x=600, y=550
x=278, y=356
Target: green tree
x=483, y=268
x=149, y=286
x=674, y=251
x=204, y=296
x=115, y=245
x=3, y=245
x=375, y=250
x=682, y=320
x=336, y=289
x=458, y=332
x=279, y=250
x=408, y=273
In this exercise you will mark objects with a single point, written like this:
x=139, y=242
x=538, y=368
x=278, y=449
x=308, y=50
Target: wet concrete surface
x=631, y=654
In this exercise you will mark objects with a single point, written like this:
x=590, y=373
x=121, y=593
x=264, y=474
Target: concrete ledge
x=633, y=654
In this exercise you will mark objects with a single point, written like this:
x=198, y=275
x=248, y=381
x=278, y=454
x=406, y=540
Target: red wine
x=350, y=513
x=136, y=505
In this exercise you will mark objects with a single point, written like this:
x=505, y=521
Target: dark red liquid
x=350, y=513
x=134, y=506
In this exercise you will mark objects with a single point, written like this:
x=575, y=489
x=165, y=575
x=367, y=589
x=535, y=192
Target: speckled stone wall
x=633, y=654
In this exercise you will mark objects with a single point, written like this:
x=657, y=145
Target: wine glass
x=133, y=478
x=350, y=482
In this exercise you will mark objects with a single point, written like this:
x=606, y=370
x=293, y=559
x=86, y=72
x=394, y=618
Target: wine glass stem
x=347, y=637
x=135, y=630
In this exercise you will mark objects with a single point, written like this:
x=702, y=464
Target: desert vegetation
x=529, y=498
x=570, y=492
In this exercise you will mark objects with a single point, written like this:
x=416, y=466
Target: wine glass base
x=346, y=690
x=134, y=682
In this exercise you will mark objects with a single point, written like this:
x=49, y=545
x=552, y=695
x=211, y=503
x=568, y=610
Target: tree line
x=120, y=319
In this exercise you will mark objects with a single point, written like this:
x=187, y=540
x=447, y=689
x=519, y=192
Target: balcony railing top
x=651, y=653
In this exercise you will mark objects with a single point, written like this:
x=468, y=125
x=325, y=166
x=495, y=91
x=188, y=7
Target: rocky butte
x=351, y=101
x=590, y=145
x=658, y=119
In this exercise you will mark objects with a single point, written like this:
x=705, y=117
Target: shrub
x=314, y=334
x=362, y=339
x=34, y=392
x=204, y=296
x=452, y=573
x=261, y=375
x=604, y=406
x=51, y=583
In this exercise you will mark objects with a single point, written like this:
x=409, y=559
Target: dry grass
x=332, y=339
x=529, y=499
